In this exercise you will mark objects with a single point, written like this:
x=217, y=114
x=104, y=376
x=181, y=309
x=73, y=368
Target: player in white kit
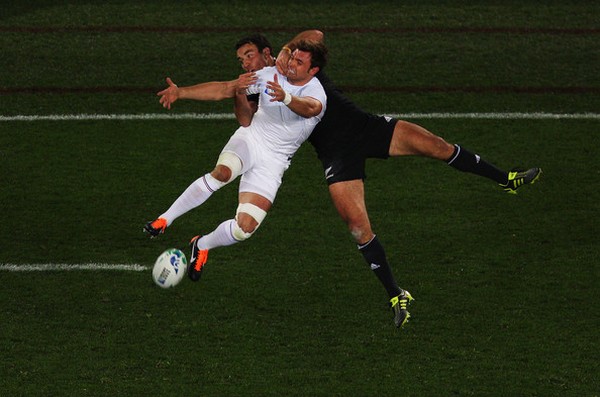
x=289, y=107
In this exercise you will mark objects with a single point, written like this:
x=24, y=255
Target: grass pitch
x=505, y=286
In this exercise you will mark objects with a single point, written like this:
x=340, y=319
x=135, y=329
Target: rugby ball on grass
x=170, y=268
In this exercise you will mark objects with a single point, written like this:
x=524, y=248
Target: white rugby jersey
x=282, y=130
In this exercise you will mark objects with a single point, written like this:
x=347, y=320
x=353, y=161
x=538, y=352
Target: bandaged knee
x=232, y=162
x=255, y=212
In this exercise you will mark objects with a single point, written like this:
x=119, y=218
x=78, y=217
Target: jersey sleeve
x=314, y=89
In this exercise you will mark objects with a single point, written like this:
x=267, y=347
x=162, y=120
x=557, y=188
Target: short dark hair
x=318, y=52
x=260, y=41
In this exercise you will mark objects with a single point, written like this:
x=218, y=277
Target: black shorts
x=347, y=161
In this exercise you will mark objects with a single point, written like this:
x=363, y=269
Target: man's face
x=250, y=58
x=299, y=69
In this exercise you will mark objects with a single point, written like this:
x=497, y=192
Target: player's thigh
x=411, y=139
x=264, y=178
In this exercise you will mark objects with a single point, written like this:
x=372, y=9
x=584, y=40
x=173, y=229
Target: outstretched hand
x=169, y=95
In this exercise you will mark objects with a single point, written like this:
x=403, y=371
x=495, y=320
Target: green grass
x=506, y=286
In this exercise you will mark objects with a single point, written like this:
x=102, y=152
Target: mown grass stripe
x=580, y=31
x=569, y=90
x=231, y=116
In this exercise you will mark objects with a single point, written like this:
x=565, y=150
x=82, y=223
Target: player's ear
x=314, y=70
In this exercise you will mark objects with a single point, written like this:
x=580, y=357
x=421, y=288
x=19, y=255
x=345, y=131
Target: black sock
x=375, y=256
x=465, y=161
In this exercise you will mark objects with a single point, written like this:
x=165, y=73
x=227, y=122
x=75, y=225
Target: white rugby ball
x=169, y=268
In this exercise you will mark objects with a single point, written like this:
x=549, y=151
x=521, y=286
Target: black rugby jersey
x=342, y=125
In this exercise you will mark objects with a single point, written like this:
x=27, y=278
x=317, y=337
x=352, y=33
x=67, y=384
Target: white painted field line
x=231, y=116
x=45, y=267
x=126, y=117
x=499, y=116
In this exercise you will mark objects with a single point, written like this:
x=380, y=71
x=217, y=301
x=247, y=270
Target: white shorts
x=262, y=169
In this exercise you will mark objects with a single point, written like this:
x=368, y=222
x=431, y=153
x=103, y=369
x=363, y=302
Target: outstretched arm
x=211, y=91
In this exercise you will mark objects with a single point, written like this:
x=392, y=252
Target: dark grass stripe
x=232, y=29
x=77, y=90
x=349, y=89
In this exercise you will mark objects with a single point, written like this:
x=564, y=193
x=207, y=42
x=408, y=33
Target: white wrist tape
x=287, y=99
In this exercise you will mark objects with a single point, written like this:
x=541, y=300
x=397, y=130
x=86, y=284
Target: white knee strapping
x=255, y=212
x=232, y=162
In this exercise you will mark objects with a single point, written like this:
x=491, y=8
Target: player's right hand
x=169, y=94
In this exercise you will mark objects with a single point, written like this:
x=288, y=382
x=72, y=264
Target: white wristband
x=287, y=98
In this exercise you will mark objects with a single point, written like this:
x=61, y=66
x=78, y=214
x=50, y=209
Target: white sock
x=220, y=237
x=197, y=193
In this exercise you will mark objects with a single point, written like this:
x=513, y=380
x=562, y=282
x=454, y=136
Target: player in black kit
x=347, y=136
x=343, y=140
